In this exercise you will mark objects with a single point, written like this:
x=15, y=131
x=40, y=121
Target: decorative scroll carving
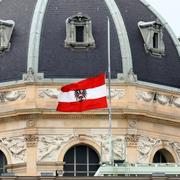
x=31, y=140
x=48, y=146
x=30, y=123
x=132, y=124
x=117, y=93
x=131, y=139
x=6, y=96
x=131, y=77
x=31, y=76
x=118, y=144
x=51, y=93
x=146, y=96
x=145, y=145
x=176, y=101
x=162, y=99
x=157, y=97
x=176, y=147
x=16, y=146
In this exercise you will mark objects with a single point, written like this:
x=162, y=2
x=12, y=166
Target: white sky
x=170, y=10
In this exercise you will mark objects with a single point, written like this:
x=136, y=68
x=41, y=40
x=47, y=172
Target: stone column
x=31, y=166
x=131, y=148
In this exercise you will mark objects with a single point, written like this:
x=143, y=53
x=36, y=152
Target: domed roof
x=40, y=45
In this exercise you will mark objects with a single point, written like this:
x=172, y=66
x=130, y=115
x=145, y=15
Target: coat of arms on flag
x=83, y=95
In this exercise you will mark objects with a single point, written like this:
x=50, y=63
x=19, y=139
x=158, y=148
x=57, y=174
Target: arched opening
x=3, y=163
x=80, y=160
x=163, y=156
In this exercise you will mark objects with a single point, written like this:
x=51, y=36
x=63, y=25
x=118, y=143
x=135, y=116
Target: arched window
x=80, y=160
x=3, y=163
x=163, y=156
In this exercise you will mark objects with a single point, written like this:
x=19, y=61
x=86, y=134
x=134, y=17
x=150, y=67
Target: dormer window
x=79, y=32
x=6, y=29
x=153, y=37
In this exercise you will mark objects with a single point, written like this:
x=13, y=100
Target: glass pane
x=155, y=40
x=79, y=33
x=81, y=154
x=68, y=167
x=81, y=167
x=93, y=167
x=93, y=157
x=69, y=157
x=91, y=174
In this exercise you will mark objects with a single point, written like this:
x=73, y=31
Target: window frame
x=74, y=21
x=148, y=31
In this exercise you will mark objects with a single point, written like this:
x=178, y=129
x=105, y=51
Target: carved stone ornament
x=48, y=146
x=131, y=139
x=31, y=76
x=50, y=93
x=30, y=123
x=53, y=93
x=157, y=97
x=118, y=144
x=176, y=101
x=176, y=147
x=146, y=96
x=6, y=96
x=131, y=77
x=31, y=140
x=145, y=145
x=162, y=99
x=132, y=124
x=117, y=93
x=17, y=148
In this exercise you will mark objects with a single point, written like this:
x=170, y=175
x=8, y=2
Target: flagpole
x=111, y=160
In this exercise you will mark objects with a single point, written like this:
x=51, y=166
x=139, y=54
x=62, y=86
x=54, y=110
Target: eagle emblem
x=80, y=95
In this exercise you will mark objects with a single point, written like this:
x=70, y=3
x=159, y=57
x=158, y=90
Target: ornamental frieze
x=53, y=93
x=155, y=97
x=145, y=146
x=6, y=96
x=118, y=146
x=176, y=147
x=16, y=146
x=49, y=145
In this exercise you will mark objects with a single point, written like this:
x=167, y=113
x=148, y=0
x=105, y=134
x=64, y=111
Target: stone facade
x=33, y=133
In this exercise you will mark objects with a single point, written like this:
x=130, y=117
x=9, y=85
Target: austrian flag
x=84, y=95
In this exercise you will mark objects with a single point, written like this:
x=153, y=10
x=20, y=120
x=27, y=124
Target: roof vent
x=153, y=37
x=6, y=29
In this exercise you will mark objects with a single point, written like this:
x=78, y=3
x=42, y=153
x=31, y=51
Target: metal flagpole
x=109, y=106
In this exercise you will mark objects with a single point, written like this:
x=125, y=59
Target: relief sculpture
x=118, y=146
x=16, y=146
x=48, y=146
x=145, y=145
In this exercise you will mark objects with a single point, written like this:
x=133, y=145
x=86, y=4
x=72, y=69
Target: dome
x=45, y=44
x=37, y=45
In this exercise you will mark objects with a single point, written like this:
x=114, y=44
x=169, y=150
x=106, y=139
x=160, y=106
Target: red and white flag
x=84, y=95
